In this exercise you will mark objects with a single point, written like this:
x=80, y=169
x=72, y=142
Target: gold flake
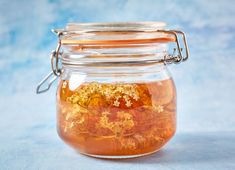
x=124, y=122
x=116, y=103
x=126, y=97
x=118, y=97
x=158, y=108
x=64, y=84
x=104, y=121
x=80, y=121
x=139, y=138
x=136, y=97
x=105, y=113
x=128, y=103
x=71, y=125
x=127, y=143
x=158, y=139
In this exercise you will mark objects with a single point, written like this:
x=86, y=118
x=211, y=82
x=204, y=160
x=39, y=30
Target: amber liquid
x=119, y=119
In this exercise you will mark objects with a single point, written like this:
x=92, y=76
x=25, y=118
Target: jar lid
x=114, y=33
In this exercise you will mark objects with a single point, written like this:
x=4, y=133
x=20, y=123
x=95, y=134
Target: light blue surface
x=205, y=84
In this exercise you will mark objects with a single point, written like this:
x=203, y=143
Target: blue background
x=205, y=137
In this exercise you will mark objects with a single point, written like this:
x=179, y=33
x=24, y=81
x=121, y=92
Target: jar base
x=120, y=156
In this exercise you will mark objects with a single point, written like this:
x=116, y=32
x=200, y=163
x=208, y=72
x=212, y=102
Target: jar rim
x=115, y=26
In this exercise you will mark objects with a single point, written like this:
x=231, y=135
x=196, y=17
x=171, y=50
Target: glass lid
x=114, y=33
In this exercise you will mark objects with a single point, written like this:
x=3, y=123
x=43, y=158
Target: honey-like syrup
x=117, y=119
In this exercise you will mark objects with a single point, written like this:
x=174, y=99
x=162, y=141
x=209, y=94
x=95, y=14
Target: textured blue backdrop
x=205, y=84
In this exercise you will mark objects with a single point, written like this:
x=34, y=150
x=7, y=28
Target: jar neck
x=109, y=63
x=111, y=57
x=151, y=72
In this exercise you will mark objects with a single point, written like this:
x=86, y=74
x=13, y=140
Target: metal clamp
x=50, y=78
x=56, y=71
x=55, y=56
x=172, y=58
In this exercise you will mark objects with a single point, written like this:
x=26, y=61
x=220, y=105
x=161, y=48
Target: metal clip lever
x=179, y=57
x=56, y=71
x=50, y=78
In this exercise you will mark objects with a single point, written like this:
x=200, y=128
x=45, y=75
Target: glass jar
x=116, y=97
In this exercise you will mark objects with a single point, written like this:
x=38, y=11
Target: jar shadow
x=192, y=147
